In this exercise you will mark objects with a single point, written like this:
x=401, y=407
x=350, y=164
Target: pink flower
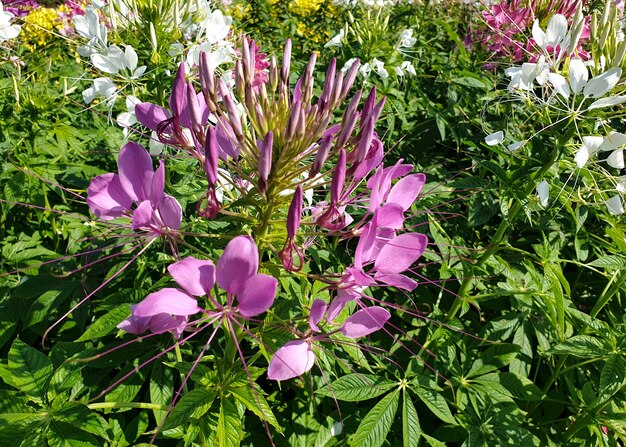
x=297, y=357
x=137, y=192
x=236, y=273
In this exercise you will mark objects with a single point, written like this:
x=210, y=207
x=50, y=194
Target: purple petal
x=151, y=115
x=196, y=276
x=373, y=159
x=106, y=197
x=135, y=171
x=226, y=140
x=318, y=309
x=167, y=301
x=406, y=190
x=390, y=215
x=396, y=280
x=158, y=185
x=134, y=324
x=400, y=252
x=257, y=295
x=292, y=360
x=364, y=322
x=239, y=261
x=335, y=307
x=142, y=216
x=178, y=97
x=165, y=322
x=171, y=212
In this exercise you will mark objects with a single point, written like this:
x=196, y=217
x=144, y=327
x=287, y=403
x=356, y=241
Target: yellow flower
x=39, y=27
x=305, y=7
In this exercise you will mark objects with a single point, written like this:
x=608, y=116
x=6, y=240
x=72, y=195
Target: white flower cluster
x=571, y=91
x=7, y=30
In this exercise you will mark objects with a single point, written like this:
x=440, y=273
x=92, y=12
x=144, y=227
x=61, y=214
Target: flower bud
x=265, y=161
x=321, y=156
x=193, y=109
x=211, y=154
x=339, y=178
x=295, y=212
x=349, y=78
x=179, y=92
x=348, y=121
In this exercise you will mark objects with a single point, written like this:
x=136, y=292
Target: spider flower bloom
x=297, y=357
x=236, y=273
x=136, y=192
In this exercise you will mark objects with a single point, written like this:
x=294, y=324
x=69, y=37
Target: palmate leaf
x=584, y=346
x=375, y=426
x=31, y=370
x=80, y=416
x=62, y=434
x=229, y=425
x=357, y=387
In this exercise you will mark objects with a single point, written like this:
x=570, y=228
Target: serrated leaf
x=520, y=387
x=411, y=430
x=80, y=416
x=356, y=387
x=31, y=370
x=106, y=323
x=609, y=262
x=229, y=425
x=61, y=434
x=161, y=388
x=194, y=404
x=436, y=403
x=613, y=376
x=581, y=346
x=255, y=402
x=376, y=424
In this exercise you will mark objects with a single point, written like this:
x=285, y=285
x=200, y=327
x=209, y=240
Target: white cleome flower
x=614, y=205
x=7, y=31
x=543, y=191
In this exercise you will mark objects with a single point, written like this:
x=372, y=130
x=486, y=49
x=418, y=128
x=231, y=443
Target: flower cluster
x=263, y=141
x=579, y=91
x=507, y=23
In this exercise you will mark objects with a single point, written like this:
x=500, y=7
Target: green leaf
x=106, y=323
x=79, y=415
x=581, y=346
x=436, y=403
x=192, y=405
x=161, y=388
x=31, y=370
x=612, y=377
x=374, y=427
x=255, y=402
x=519, y=386
x=229, y=425
x=610, y=262
x=356, y=387
x=43, y=307
x=410, y=422
x=62, y=434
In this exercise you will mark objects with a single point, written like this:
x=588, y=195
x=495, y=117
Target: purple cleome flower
x=136, y=192
x=236, y=273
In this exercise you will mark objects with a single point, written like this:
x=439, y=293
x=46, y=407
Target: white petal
x=557, y=30
x=494, y=138
x=515, y=146
x=616, y=159
x=582, y=156
x=593, y=143
x=607, y=102
x=603, y=83
x=613, y=141
x=578, y=75
x=539, y=35
x=130, y=58
x=543, y=191
x=560, y=84
x=614, y=204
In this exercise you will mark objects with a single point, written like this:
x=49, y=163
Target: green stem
x=142, y=405
x=608, y=294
